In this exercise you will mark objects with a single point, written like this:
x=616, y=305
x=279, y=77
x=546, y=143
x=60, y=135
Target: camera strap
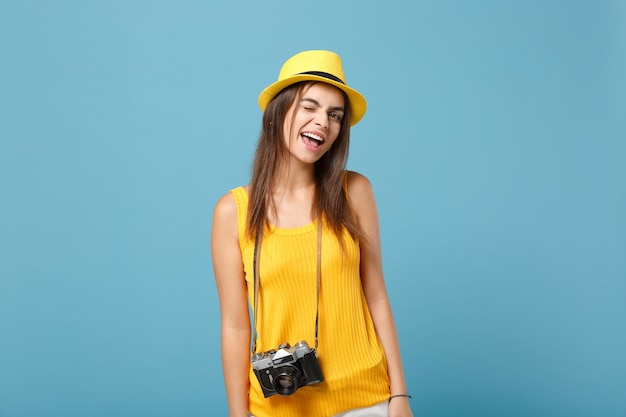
x=256, y=265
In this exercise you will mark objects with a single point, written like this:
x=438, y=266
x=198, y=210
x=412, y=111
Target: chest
x=292, y=210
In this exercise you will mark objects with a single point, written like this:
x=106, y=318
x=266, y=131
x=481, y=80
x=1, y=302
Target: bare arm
x=372, y=278
x=231, y=287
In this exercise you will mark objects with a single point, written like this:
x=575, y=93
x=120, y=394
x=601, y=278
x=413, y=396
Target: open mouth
x=312, y=139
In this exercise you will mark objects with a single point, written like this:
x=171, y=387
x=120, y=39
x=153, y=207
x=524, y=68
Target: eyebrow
x=338, y=108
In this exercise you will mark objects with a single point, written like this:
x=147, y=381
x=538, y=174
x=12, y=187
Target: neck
x=293, y=197
x=295, y=177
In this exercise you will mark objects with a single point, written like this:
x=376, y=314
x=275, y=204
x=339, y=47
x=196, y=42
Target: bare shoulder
x=359, y=188
x=225, y=218
x=363, y=204
x=226, y=207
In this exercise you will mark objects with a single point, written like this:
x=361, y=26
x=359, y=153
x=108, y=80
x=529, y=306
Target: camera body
x=282, y=371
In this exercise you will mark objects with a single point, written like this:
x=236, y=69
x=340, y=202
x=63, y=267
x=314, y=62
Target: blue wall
x=495, y=139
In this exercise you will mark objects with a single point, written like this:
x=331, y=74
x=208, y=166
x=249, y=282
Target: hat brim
x=358, y=104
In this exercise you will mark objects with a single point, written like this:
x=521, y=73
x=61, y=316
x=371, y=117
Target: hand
x=399, y=407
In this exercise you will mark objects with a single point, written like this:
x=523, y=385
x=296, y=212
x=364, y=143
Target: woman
x=301, y=244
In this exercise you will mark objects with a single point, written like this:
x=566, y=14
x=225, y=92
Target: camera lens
x=286, y=381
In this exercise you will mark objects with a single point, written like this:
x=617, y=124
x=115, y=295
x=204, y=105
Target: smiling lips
x=312, y=140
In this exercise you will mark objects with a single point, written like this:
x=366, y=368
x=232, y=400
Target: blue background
x=495, y=139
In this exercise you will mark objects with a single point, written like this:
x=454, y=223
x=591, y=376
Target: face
x=316, y=122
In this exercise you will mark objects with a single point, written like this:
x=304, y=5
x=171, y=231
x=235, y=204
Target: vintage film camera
x=286, y=369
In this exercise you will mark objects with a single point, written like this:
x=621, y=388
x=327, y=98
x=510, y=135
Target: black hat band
x=323, y=74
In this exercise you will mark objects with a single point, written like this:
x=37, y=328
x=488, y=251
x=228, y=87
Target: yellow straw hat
x=324, y=66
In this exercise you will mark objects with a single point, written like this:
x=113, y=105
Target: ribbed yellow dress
x=350, y=354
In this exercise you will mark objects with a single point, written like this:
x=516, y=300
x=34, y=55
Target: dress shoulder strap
x=241, y=198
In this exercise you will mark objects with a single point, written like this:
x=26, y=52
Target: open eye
x=336, y=116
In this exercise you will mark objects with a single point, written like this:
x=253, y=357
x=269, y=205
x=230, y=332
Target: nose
x=321, y=120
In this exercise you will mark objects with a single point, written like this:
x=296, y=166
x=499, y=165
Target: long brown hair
x=330, y=201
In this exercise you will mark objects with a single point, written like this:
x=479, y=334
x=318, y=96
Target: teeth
x=313, y=136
